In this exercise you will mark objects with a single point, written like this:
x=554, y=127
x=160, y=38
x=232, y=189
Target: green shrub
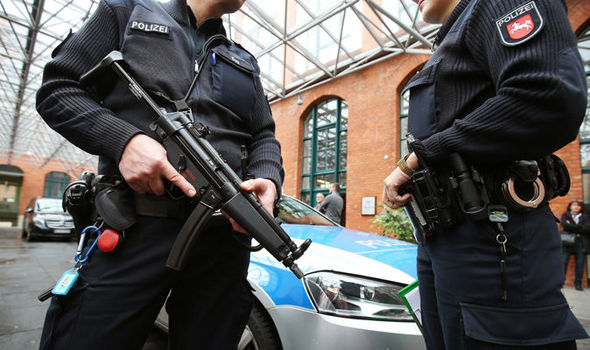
x=395, y=224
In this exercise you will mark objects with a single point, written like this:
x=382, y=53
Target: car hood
x=355, y=252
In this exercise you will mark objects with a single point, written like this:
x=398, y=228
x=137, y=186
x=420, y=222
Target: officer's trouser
x=461, y=289
x=118, y=295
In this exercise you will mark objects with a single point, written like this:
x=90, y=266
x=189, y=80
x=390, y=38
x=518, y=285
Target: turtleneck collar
x=450, y=21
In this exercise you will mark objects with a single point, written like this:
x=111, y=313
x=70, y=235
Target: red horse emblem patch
x=520, y=24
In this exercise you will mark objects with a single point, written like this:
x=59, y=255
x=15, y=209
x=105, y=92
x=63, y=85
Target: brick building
x=371, y=111
x=374, y=127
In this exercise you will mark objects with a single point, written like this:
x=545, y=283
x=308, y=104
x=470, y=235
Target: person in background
x=575, y=221
x=319, y=198
x=333, y=204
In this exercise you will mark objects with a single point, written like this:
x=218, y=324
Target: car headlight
x=351, y=296
x=39, y=222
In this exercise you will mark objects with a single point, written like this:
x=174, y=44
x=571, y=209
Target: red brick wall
x=579, y=15
x=373, y=132
x=34, y=178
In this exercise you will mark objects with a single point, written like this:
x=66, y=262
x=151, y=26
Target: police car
x=348, y=298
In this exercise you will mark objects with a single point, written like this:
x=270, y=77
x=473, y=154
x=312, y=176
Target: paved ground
x=28, y=268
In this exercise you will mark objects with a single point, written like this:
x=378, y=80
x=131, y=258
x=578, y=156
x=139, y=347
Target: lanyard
x=82, y=242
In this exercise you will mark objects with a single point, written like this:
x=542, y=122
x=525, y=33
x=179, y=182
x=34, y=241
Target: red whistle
x=109, y=240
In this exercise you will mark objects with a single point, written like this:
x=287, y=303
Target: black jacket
x=157, y=42
x=569, y=225
x=494, y=102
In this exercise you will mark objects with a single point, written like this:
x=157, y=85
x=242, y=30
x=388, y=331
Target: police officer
x=178, y=51
x=504, y=83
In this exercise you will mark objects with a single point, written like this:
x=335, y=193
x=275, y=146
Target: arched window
x=55, y=184
x=584, y=48
x=324, y=148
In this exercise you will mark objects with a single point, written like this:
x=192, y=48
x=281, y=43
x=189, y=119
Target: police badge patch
x=520, y=24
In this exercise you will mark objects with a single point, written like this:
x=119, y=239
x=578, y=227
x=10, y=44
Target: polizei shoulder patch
x=520, y=24
x=150, y=27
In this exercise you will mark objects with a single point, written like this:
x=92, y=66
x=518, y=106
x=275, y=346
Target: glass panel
x=324, y=181
x=585, y=155
x=343, y=150
x=330, y=160
x=307, y=165
x=585, y=127
x=291, y=211
x=305, y=183
x=321, y=161
x=403, y=122
x=343, y=115
x=342, y=179
x=404, y=103
x=403, y=148
x=326, y=112
x=403, y=128
x=55, y=183
x=308, y=125
x=586, y=187
x=307, y=148
x=326, y=138
x=322, y=136
x=584, y=48
x=403, y=132
x=331, y=139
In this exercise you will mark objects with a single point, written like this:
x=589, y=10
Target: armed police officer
x=179, y=52
x=504, y=85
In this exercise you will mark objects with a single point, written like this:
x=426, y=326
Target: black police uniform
x=505, y=83
x=118, y=295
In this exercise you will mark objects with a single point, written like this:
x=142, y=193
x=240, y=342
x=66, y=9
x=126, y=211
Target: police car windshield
x=293, y=211
x=49, y=205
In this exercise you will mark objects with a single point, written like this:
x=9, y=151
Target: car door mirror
x=29, y=210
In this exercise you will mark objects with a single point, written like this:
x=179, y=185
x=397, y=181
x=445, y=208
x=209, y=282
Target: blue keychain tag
x=65, y=283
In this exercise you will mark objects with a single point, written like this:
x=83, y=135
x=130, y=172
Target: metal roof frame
x=303, y=43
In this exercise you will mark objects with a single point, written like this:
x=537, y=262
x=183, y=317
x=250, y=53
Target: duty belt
x=161, y=206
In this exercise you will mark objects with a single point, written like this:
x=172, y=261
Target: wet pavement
x=27, y=268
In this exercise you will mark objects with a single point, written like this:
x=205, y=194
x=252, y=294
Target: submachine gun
x=217, y=185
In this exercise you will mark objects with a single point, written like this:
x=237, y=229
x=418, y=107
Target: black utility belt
x=443, y=196
x=161, y=206
x=110, y=199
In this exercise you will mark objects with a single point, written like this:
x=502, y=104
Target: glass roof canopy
x=299, y=44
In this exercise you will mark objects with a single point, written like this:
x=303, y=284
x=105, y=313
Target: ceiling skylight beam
x=416, y=34
x=306, y=9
